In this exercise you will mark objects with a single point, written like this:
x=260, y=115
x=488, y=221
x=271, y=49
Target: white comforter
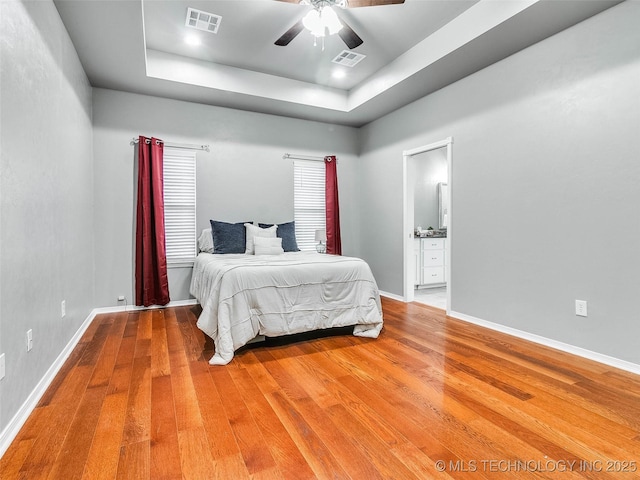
x=243, y=296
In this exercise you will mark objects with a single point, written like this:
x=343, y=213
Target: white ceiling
x=411, y=50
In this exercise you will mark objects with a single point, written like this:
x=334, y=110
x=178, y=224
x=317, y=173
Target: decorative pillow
x=254, y=231
x=286, y=231
x=228, y=237
x=268, y=246
x=205, y=241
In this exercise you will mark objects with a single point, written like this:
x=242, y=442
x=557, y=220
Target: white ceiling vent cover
x=348, y=59
x=208, y=22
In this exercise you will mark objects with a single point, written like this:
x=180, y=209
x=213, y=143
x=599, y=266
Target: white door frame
x=407, y=223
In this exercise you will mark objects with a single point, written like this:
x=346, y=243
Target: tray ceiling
x=410, y=49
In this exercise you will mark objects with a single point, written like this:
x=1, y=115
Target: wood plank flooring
x=432, y=397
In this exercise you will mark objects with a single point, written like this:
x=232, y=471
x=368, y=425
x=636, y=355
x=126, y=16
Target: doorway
x=411, y=261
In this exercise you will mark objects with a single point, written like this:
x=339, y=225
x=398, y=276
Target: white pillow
x=205, y=241
x=268, y=246
x=253, y=232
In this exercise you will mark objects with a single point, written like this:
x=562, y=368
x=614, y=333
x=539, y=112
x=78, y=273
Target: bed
x=245, y=296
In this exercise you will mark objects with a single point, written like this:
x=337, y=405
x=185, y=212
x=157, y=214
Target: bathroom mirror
x=443, y=208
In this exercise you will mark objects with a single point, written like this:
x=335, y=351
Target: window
x=308, y=201
x=180, y=206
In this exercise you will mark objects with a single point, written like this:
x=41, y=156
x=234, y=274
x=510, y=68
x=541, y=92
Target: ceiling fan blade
x=349, y=37
x=290, y=34
x=369, y=3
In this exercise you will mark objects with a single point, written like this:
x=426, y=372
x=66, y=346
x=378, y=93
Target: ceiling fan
x=323, y=19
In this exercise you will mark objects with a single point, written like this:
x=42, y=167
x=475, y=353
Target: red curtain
x=334, y=243
x=152, y=283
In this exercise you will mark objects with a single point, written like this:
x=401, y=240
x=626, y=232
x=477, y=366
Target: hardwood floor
x=432, y=397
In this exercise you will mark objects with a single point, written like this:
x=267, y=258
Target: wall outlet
x=581, y=308
x=63, y=308
x=121, y=298
x=2, y=367
x=29, y=340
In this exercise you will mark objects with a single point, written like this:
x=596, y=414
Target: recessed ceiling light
x=192, y=40
x=338, y=74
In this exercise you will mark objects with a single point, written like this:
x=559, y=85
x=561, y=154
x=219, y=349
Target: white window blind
x=180, y=205
x=308, y=201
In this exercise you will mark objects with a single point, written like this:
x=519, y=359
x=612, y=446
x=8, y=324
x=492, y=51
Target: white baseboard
x=13, y=427
x=183, y=303
x=548, y=342
x=392, y=296
x=135, y=308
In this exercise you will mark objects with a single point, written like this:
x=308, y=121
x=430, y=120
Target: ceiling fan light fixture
x=330, y=20
x=320, y=21
x=312, y=22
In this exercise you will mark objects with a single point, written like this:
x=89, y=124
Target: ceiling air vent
x=348, y=59
x=206, y=21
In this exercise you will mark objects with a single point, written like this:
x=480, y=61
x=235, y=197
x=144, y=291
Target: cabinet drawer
x=432, y=275
x=433, y=243
x=432, y=258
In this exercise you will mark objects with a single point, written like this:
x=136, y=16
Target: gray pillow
x=228, y=237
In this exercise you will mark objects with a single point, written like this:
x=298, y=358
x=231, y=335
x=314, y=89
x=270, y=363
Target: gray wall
x=243, y=177
x=46, y=214
x=544, y=184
